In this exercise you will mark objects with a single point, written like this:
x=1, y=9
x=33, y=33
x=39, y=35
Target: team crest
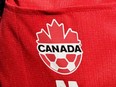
x=60, y=50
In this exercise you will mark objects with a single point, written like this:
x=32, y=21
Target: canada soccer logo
x=60, y=50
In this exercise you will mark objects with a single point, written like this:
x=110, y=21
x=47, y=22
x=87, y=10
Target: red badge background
x=63, y=62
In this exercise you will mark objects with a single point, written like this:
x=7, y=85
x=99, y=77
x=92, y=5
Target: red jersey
x=63, y=43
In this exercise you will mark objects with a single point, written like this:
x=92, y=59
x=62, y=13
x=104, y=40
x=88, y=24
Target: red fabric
x=95, y=22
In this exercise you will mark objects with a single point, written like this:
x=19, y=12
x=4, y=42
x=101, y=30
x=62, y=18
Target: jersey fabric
x=93, y=20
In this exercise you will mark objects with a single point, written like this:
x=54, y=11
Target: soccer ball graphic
x=62, y=65
x=60, y=51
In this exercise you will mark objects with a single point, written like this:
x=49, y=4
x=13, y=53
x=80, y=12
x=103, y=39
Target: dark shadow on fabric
x=2, y=2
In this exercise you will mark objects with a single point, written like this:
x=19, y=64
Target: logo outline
x=64, y=34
